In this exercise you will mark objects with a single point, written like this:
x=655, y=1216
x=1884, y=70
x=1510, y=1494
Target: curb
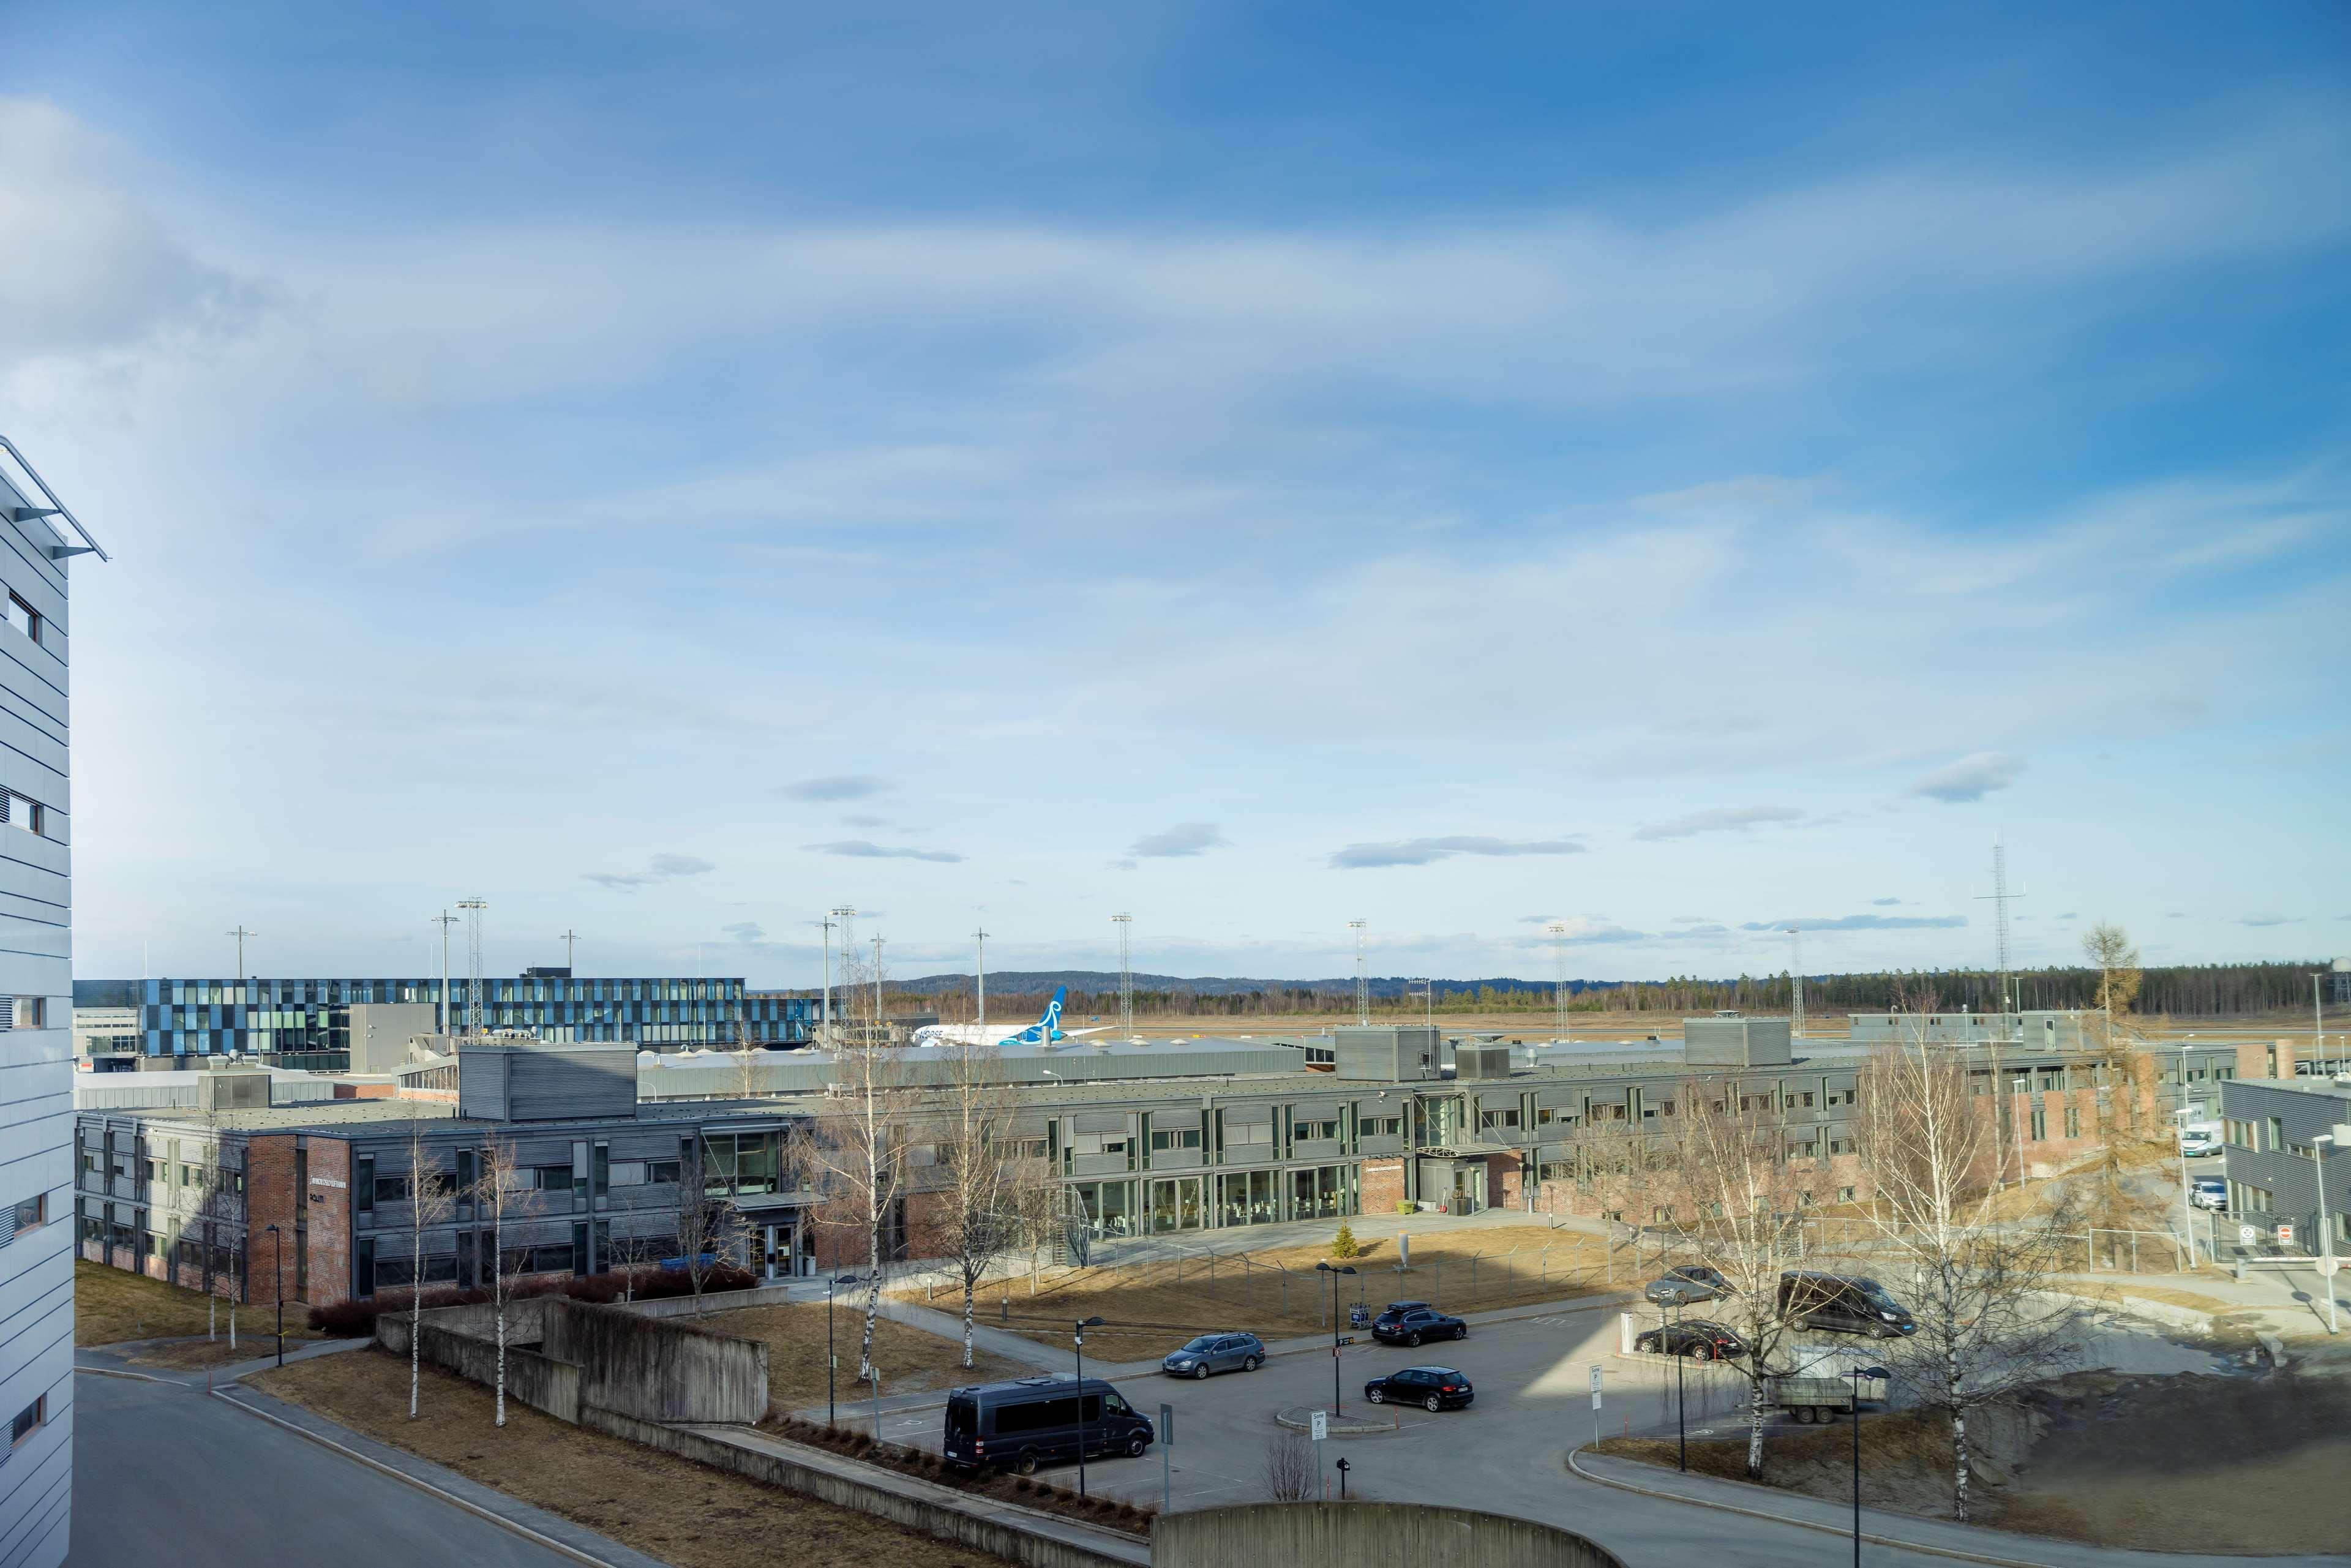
x=1892, y=1540
x=476, y=1509
x=142, y=1376
x=1299, y=1418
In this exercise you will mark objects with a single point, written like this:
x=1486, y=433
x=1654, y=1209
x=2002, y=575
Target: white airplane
x=1044, y=1031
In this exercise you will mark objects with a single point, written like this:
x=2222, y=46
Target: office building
x=2283, y=1137
x=37, y=1116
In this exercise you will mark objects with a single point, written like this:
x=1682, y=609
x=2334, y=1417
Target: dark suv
x=1431, y=1387
x=1415, y=1322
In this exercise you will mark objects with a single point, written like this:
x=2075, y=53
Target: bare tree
x=977, y=1163
x=854, y=1157
x=1929, y=1145
x=432, y=1201
x=2123, y=1069
x=1729, y=1169
x=1289, y=1467
x=499, y=1184
x=712, y=1232
x=745, y=1062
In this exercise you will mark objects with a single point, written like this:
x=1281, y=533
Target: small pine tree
x=1343, y=1244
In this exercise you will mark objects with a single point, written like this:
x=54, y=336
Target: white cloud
x=1721, y=820
x=836, y=787
x=1183, y=839
x=1863, y=923
x=2259, y=920
x=1971, y=777
x=862, y=849
x=661, y=868
x=1427, y=852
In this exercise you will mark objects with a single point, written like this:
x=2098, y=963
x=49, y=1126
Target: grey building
x=2282, y=1136
x=36, y=1010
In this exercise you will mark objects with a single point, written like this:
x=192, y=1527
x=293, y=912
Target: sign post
x=1596, y=1402
x=1321, y=1429
x=1166, y=1442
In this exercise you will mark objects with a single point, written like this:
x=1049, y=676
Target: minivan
x=1038, y=1421
x=1843, y=1303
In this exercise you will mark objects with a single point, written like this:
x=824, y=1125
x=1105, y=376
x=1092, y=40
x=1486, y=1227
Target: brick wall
x=325, y=1211
x=1505, y=1180
x=1381, y=1186
x=2266, y=1058
x=329, y=1210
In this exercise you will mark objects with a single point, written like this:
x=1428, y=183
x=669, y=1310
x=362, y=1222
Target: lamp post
x=1681, y=1390
x=1078, y=1337
x=2187, y=1214
x=280, y=1239
x=1334, y=1273
x=2319, y=1145
x=1856, y=1467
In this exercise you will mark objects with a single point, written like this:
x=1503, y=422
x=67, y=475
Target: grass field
x=1276, y=1293
x=910, y=1358
x=668, y=1508
x=112, y=1307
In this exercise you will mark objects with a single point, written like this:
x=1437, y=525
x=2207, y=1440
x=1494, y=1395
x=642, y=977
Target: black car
x=1415, y=1323
x=1690, y=1282
x=1693, y=1337
x=1431, y=1387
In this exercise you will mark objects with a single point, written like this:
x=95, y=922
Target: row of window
x=343, y=993
x=24, y=1013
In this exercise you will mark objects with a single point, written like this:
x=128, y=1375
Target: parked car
x=1690, y=1282
x=2197, y=1142
x=1842, y=1303
x=1431, y=1387
x=1415, y=1323
x=1693, y=1337
x=1216, y=1353
x=1041, y=1420
x=2209, y=1192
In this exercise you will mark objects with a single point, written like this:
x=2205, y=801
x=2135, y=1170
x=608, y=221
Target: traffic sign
x=2246, y=1235
x=1595, y=1385
x=1322, y=1424
x=2285, y=1235
x=2330, y=1267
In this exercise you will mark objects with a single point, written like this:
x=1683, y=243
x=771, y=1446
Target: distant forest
x=2190, y=991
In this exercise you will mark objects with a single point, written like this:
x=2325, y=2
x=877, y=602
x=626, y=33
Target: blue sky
x=670, y=470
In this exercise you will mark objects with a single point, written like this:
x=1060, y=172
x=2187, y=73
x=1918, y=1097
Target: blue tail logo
x=1045, y=1030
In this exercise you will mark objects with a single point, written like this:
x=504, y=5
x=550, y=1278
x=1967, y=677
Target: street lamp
x=277, y=1236
x=1078, y=1337
x=2318, y=1147
x=1681, y=1390
x=831, y=1361
x=2187, y=1214
x=1856, y=1467
x=1334, y=1273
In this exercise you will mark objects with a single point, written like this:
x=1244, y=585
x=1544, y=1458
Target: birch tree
x=1727, y=1166
x=1930, y=1147
x=500, y=1181
x=430, y=1203
x=977, y=1163
x=854, y=1157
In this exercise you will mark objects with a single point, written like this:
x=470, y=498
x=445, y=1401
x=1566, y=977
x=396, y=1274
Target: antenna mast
x=1363, y=985
x=473, y=908
x=980, y=937
x=444, y=920
x=1558, y=929
x=1125, y=924
x=1796, y=981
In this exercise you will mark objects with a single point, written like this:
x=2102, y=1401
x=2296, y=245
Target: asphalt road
x=1505, y=1454
x=168, y=1475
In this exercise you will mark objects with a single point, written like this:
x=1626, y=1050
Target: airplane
x=1044, y=1031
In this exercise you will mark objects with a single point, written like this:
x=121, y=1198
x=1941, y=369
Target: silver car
x=1216, y=1353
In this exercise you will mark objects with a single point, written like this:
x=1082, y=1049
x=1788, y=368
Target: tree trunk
x=967, y=1321
x=1755, y=1431
x=873, y=1298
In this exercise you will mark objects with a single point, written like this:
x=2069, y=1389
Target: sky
x=1666, y=472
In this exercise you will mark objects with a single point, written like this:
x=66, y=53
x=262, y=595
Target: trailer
x=1811, y=1399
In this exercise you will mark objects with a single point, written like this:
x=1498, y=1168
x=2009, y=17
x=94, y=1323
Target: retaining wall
x=464, y=1339
x=977, y=1523
x=1365, y=1535
x=656, y=1370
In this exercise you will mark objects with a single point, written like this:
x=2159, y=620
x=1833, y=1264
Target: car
x=1415, y=1323
x=1041, y=1420
x=2195, y=1143
x=1843, y=1303
x=1690, y=1282
x=1431, y=1387
x=1216, y=1353
x=2209, y=1192
x=1693, y=1337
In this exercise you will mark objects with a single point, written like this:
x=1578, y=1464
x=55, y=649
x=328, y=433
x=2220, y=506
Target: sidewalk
x=108, y=1358
x=1897, y=1529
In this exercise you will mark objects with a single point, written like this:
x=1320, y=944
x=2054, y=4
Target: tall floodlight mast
x=1795, y=981
x=473, y=908
x=980, y=972
x=1362, y=983
x=445, y=920
x=1558, y=929
x=1125, y=924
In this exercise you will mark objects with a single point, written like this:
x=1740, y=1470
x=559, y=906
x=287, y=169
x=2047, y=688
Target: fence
x=1830, y=1241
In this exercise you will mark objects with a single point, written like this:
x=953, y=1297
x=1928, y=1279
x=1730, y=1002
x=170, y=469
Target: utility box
x=232, y=1089
x=528, y=1080
x=1481, y=1061
x=1736, y=1042
x=1388, y=1053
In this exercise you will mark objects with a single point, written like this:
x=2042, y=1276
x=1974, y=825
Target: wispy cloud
x=661, y=868
x=1885, y=902
x=2258, y=920
x=863, y=849
x=1183, y=839
x=1721, y=820
x=745, y=931
x=1427, y=852
x=834, y=787
x=1971, y=777
x=1864, y=923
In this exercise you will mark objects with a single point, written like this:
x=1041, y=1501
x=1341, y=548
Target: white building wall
x=36, y=1055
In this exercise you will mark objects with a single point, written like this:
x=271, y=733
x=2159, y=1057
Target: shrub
x=1343, y=1244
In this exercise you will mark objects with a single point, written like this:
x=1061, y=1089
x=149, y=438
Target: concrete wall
x=658, y=1370
x=464, y=1339
x=982, y=1523
x=1365, y=1535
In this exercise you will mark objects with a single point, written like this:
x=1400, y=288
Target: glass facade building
x=264, y=1016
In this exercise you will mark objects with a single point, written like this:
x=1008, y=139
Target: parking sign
x=1322, y=1424
x=1595, y=1385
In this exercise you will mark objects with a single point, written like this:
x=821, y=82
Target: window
x=1025, y=1148
x=1841, y=1146
x=392, y=1189
x=1391, y=1126
x=24, y=618
x=550, y=1178
x=656, y=1171
x=1328, y=1132
x=1494, y=1120
x=2040, y=1123
x=2247, y=1199
x=2277, y=1135
x=1845, y=1195
x=1807, y=1098
x=30, y=1012
x=1840, y=1096
x=2072, y=1120
x=29, y=1214
x=1179, y=1138
x=29, y=1421
x=2239, y=1133
x=1242, y=1133
x=17, y=812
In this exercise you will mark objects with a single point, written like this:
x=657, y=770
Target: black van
x=1843, y=1303
x=1038, y=1421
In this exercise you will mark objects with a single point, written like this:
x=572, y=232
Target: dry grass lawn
x=112, y=1307
x=1151, y=1308
x=910, y=1358
x=666, y=1507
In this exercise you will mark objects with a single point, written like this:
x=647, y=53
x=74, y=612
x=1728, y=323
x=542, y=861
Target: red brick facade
x=315, y=1224
x=1381, y=1188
